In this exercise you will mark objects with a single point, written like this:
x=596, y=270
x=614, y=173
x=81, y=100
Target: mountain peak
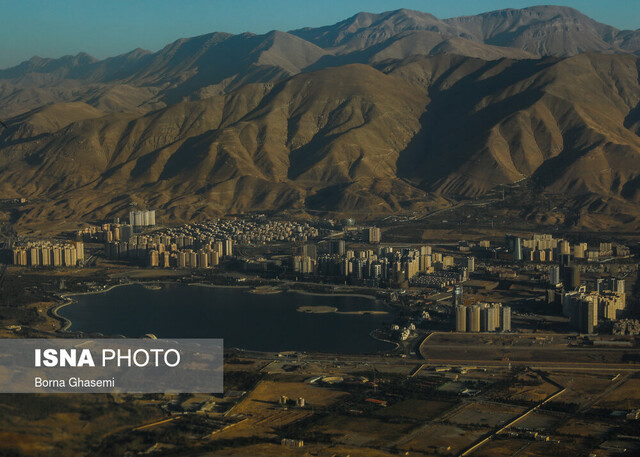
x=362, y=115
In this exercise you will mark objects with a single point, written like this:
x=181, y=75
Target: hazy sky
x=105, y=28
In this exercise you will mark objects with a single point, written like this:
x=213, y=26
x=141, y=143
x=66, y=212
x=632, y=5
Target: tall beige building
x=46, y=256
x=461, y=318
x=193, y=259
x=34, y=257
x=182, y=259
x=374, y=235
x=57, y=256
x=166, y=259
x=580, y=250
x=203, y=259
x=473, y=318
x=213, y=258
x=154, y=260
x=228, y=248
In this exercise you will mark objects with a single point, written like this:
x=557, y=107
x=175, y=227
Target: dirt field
x=56, y=425
x=422, y=410
x=503, y=447
x=447, y=439
x=540, y=421
x=546, y=449
x=486, y=415
x=361, y=431
x=264, y=414
x=627, y=396
x=582, y=387
x=47, y=324
x=581, y=428
x=525, y=389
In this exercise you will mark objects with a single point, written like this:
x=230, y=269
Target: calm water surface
x=244, y=320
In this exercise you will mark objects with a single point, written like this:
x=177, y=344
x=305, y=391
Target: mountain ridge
x=392, y=119
x=197, y=67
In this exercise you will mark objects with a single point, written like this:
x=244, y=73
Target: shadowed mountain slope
x=351, y=138
x=378, y=114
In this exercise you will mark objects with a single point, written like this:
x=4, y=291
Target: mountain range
x=375, y=115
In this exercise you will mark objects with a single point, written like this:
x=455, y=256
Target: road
x=516, y=419
x=621, y=380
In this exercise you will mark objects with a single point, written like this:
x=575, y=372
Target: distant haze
x=103, y=29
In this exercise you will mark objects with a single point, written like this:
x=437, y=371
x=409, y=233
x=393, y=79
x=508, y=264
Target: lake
x=261, y=322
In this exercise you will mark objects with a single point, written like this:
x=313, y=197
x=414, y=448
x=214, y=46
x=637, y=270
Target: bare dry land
x=523, y=349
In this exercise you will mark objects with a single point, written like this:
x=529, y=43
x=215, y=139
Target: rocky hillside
x=378, y=114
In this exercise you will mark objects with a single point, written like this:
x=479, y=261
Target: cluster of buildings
x=285, y=401
x=118, y=231
x=180, y=247
x=483, y=317
x=145, y=218
x=181, y=251
x=106, y=233
x=626, y=327
x=288, y=442
x=546, y=248
x=419, y=266
x=46, y=253
x=586, y=309
x=242, y=231
x=606, y=301
x=247, y=231
x=440, y=279
x=404, y=332
x=207, y=256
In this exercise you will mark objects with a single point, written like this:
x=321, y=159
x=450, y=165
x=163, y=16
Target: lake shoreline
x=372, y=316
